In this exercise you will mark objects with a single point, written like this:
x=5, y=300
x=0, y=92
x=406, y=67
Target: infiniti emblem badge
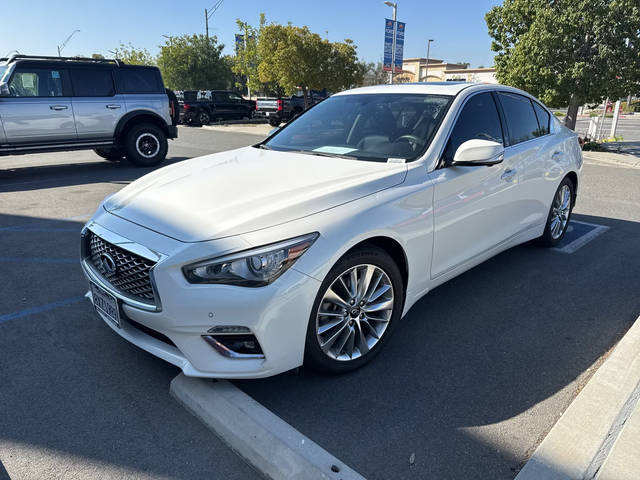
x=108, y=263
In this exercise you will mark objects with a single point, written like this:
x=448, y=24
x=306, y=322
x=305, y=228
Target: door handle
x=58, y=107
x=112, y=106
x=556, y=156
x=509, y=175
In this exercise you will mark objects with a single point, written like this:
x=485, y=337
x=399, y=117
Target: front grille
x=132, y=273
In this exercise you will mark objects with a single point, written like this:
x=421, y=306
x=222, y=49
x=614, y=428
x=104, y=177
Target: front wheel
x=357, y=305
x=274, y=121
x=559, y=214
x=146, y=145
x=204, y=118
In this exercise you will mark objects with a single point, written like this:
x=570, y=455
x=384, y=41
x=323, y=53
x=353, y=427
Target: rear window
x=92, y=82
x=139, y=80
x=521, y=120
x=543, y=119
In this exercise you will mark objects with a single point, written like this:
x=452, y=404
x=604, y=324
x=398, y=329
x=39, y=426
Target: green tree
x=372, y=73
x=567, y=51
x=246, y=60
x=97, y=56
x=132, y=55
x=194, y=62
x=294, y=57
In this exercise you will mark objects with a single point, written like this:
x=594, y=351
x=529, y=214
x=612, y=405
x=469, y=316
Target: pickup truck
x=200, y=108
x=277, y=110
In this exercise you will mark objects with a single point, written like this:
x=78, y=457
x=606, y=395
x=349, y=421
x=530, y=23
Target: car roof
x=433, y=88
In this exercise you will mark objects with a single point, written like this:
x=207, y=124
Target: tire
x=111, y=154
x=274, y=121
x=204, y=118
x=356, y=329
x=145, y=145
x=560, y=211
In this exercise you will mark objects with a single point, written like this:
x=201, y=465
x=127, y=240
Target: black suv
x=62, y=103
x=200, y=108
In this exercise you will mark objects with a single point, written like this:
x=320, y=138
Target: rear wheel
x=111, y=154
x=204, y=118
x=146, y=145
x=357, y=305
x=559, y=214
x=274, y=121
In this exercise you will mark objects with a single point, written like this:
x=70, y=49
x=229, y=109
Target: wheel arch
x=573, y=176
x=136, y=117
x=391, y=247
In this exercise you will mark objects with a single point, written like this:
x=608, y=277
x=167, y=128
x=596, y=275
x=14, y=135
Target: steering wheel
x=413, y=139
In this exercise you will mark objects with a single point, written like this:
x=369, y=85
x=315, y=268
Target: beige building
x=415, y=70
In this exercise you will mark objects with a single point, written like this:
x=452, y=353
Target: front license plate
x=105, y=303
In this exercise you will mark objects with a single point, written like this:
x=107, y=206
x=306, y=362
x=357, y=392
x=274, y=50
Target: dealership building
x=415, y=70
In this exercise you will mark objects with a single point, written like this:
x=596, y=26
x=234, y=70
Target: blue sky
x=36, y=27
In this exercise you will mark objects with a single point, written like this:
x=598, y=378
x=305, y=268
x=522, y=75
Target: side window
x=92, y=82
x=521, y=119
x=138, y=80
x=478, y=119
x=221, y=97
x=36, y=82
x=543, y=119
x=234, y=98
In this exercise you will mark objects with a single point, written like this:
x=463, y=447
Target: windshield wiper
x=263, y=146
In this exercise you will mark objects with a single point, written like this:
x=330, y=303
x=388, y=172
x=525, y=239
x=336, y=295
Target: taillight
x=186, y=106
x=256, y=105
x=279, y=105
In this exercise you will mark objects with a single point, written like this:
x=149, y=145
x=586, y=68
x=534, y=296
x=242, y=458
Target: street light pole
x=64, y=44
x=393, y=43
x=426, y=68
x=207, y=14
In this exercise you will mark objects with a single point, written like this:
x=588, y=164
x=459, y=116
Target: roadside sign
x=388, y=45
x=399, y=46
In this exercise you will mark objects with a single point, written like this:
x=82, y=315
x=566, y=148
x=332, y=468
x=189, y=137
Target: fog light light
x=235, y=346
x=228, y=329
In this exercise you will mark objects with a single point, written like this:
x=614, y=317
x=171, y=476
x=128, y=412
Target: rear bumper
x=172, y=131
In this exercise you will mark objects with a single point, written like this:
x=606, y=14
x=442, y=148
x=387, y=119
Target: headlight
x=251, y=268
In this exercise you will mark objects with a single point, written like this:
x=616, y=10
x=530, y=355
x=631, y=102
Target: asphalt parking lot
x=475, y=376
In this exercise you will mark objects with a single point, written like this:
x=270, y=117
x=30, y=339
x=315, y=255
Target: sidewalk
x=629, y=160
x=251, y=128
x=598, y=436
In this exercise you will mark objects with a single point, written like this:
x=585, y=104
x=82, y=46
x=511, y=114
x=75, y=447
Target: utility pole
x=208, y=12
x=426, y=68
x=393, y=43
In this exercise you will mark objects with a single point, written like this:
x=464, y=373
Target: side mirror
x=478, y=152
x=273, y=131
x=4, y=90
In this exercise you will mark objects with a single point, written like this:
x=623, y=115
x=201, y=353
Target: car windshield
x=365, y=126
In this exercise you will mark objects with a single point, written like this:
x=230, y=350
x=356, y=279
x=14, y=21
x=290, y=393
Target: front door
x=38, y=108
x=475, y=208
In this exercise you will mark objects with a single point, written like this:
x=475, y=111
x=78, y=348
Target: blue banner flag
x=399, y=46
x=388, y=44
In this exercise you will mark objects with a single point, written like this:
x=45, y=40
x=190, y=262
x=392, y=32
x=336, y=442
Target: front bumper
x=276, y=314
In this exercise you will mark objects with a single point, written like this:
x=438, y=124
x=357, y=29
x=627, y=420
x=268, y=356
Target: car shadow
x=75, y=398
x=479, y=369
x=35, y=177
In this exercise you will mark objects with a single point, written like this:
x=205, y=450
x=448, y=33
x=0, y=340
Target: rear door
x=223, y=106
x=530, y=150
x=475, y=208
x=96, y=105
x=38, y=108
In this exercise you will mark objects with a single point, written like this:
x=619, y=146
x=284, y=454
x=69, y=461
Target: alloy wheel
x=147, y=145
x=354, y=312
x=560, y=210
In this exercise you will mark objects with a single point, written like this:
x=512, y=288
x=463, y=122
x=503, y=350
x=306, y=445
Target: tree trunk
x=572, y=113
x=304, y=95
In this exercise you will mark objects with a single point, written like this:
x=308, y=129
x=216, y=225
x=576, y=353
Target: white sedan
x=310, y=246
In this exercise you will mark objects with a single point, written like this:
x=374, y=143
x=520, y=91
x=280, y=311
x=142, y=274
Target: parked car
x=60, y=103
x=311, y=245
x=200, y=108
x=277, y=110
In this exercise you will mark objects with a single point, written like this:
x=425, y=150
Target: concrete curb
x=587, y=434
x=611, y=158
x=272, y=446
x=252, y=129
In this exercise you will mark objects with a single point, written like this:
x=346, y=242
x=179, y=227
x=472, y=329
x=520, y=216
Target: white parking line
x=584, y=239
x=268, y=443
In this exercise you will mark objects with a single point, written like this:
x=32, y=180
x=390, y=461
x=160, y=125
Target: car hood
x=244, y=190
